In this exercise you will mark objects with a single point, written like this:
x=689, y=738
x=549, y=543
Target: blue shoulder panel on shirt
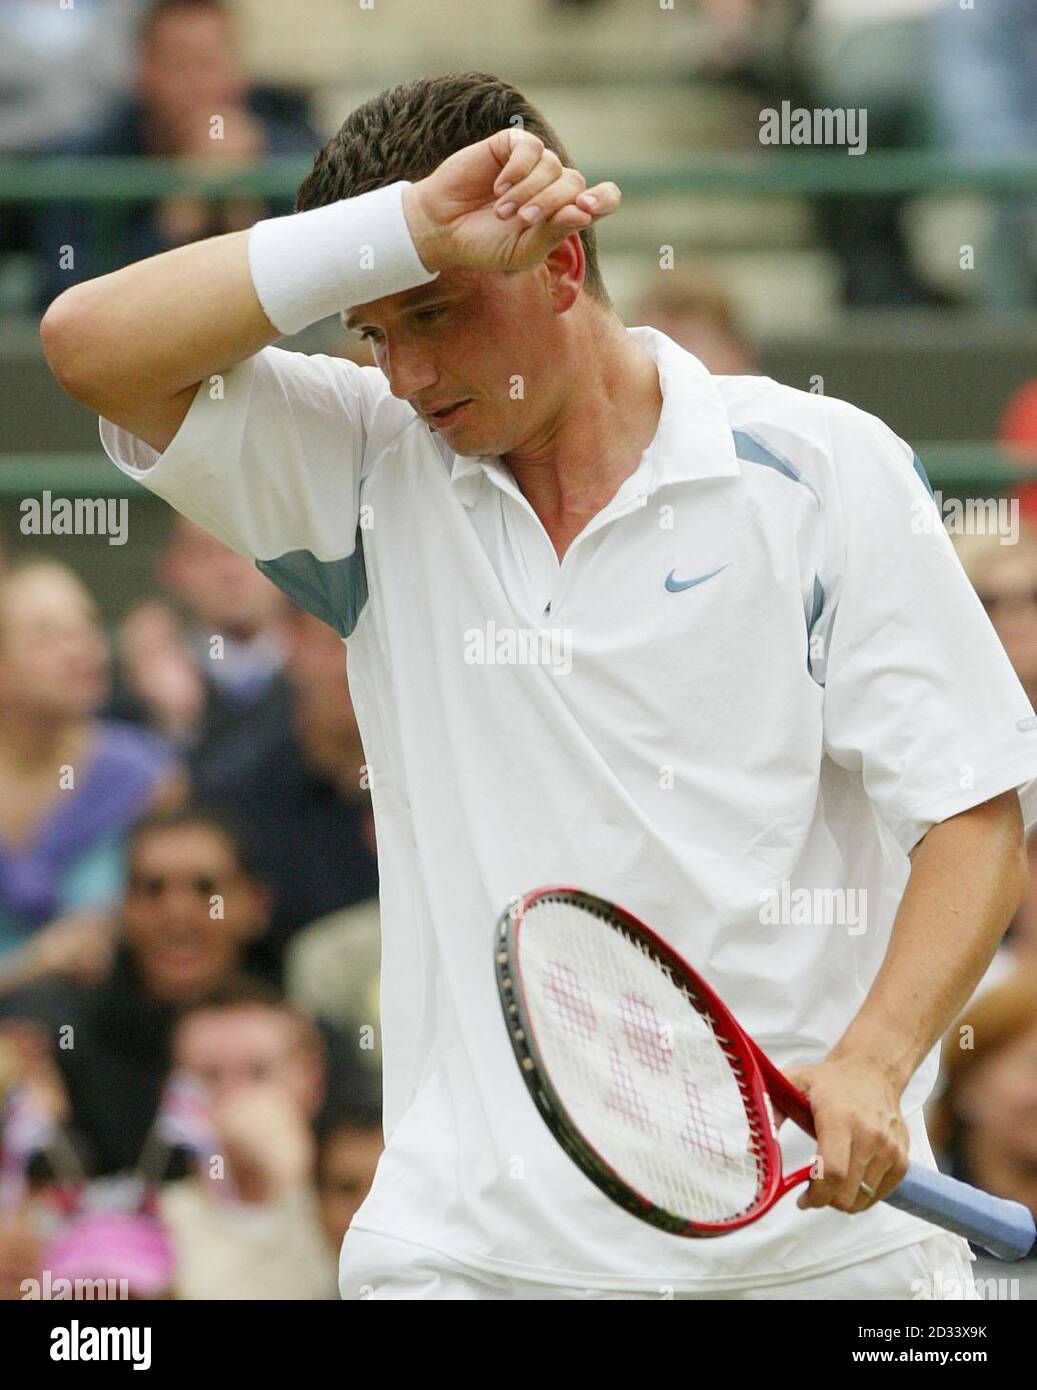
x=750, y=450
x=922, y=474
x=816, y=664
x=333, y=590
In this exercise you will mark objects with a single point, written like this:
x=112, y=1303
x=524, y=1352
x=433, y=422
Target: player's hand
x=862, y=1140
x=501, y=204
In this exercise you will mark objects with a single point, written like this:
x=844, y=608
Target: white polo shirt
x=764, y=675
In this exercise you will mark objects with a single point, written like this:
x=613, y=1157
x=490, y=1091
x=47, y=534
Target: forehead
x=45, y=595
x=463, y=284
x=194, y=843
x=236, y=1037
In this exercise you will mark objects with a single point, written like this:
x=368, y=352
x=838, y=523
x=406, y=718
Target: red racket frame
x=755, y=1073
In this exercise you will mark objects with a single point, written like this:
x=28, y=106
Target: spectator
x=60, y=67
x=195, y=898
x=190, y=100
x=984, y=1123
x=192, y=902
x=346, y=1166
x=699, y=315
x=874, y=58
x=985, y=95
x=332, y=970
x=1018, y=432
x=33, y=1104
x=128, y=1252
x=196, y=683
x=70, y=784
x=302, y=783
x=1005, y=578
x=252, y=1229
x=21, y=1251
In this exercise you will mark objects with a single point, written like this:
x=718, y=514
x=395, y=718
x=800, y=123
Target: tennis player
x=697, y=644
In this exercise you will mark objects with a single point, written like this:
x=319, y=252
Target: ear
x=566, y=266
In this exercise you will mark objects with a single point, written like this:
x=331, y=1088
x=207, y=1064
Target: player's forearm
x=968, y=875
x=158, y=327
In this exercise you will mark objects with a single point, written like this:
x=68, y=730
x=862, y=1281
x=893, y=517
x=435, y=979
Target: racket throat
x=791, y=1180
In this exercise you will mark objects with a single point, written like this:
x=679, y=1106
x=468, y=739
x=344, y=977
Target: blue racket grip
x=1004, y=1228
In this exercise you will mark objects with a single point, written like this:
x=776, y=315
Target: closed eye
x=427, y=315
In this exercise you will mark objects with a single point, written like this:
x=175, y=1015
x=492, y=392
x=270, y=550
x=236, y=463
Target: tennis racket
x=646, y=1080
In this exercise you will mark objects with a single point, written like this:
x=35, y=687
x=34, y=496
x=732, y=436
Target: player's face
x=472, y=353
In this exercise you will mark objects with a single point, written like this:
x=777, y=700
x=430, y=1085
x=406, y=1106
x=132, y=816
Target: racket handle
x=1004, y=1228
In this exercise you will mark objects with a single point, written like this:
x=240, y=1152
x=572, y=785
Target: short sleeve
x=269, y=459
x=919, y=696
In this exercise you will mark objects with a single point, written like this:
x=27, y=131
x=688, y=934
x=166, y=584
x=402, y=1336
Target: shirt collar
x=693, y=439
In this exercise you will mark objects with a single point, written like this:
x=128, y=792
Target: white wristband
x=309, y=265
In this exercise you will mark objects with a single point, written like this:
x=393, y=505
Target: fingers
x=556, y=202
x=520, y=151
x=535, y=186
x=600, y=200
x=856, y=1169
x=882, y=1174
x=834, y=1154
x=520, y=195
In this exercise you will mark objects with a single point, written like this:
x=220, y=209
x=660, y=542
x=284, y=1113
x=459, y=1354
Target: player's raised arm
x=133, y=345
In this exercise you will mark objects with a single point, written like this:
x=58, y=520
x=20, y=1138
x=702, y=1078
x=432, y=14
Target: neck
x=28, y=742
x=602, y=425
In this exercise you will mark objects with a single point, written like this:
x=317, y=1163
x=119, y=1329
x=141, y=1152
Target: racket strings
x=638, y=1066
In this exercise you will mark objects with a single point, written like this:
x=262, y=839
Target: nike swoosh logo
x=677, y=586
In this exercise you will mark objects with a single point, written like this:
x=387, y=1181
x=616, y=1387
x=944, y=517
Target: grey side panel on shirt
x=333, y=590
x=750, y=450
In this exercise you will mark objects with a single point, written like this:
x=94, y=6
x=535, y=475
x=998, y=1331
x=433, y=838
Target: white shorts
x=381, y=1267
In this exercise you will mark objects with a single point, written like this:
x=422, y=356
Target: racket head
x=758, y=1173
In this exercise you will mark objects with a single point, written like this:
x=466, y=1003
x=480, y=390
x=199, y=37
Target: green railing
x=960, y=469
x=99, y=181
x=107, y=185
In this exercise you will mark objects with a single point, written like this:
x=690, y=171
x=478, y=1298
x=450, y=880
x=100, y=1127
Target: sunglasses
x=155, y=885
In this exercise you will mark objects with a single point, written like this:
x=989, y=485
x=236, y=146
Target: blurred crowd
x=189, y=934
x=167, y=78
x=189, y=949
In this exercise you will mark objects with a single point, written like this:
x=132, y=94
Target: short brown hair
x=158, y=10
x=407, y=131
x=245, y=992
